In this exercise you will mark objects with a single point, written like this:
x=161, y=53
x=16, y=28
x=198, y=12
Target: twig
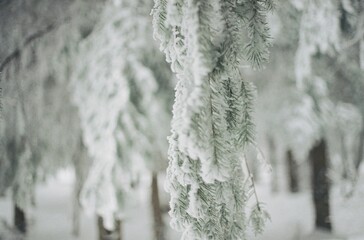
x=16, y=53
x=252, y=179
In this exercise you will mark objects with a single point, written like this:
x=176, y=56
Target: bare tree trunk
x=20, y=221
x=105, y=234
x=321, y=186
x=157, y=213
x=274, y=163
x=292, y=172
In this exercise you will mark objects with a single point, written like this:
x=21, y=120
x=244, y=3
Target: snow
x=292, y=215
x=7, y=233
x=52, y=216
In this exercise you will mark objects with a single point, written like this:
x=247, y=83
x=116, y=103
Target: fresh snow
x=292, y=215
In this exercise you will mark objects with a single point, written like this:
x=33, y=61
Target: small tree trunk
x=20, y=221
x=292, y=172
x=105, y=234
x=157, y=213
x=360, y=150
x=320, y=186
x=76, y=219
x=118, y=229
x=274, y=163
x=81, y=166
x=344, y=158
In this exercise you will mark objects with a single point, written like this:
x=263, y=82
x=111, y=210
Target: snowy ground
x=292, y=216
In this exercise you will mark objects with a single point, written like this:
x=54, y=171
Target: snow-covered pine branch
x=315, y=36
x=122, y=90
x=206, y=41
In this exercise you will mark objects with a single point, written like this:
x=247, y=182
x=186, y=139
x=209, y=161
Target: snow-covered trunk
x=156, y=207
x=321, y=185
x=105, y=234
x=81, y=169
x=292, y=172
x=20, y=221
x=274, y=164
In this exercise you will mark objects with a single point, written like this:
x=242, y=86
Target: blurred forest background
x=85, y=108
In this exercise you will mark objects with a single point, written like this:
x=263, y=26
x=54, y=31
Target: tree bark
x=20, y=221
x=157, y=213
x=105, y=234
x=292, y=172
x=321, y=186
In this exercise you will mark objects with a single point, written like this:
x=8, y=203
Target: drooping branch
x=17, y=52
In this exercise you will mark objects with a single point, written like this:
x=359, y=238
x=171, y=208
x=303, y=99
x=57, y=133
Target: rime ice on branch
x=205, y=42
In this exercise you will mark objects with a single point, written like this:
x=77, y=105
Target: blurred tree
x=300, y=117
x=40, y=123
x=285, y=118
x=347, y=79
x=122, y=87
x=321, y=38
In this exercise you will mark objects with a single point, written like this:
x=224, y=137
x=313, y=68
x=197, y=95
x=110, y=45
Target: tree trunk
x=105, y=234
x=292, y=172
x=320, y=185
x=157, y=213
x=20, y=221
x=274, y=163
x=344, y=158
x=81, y=166
x=361, y=63
x=76, y=219
x=360, y=150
